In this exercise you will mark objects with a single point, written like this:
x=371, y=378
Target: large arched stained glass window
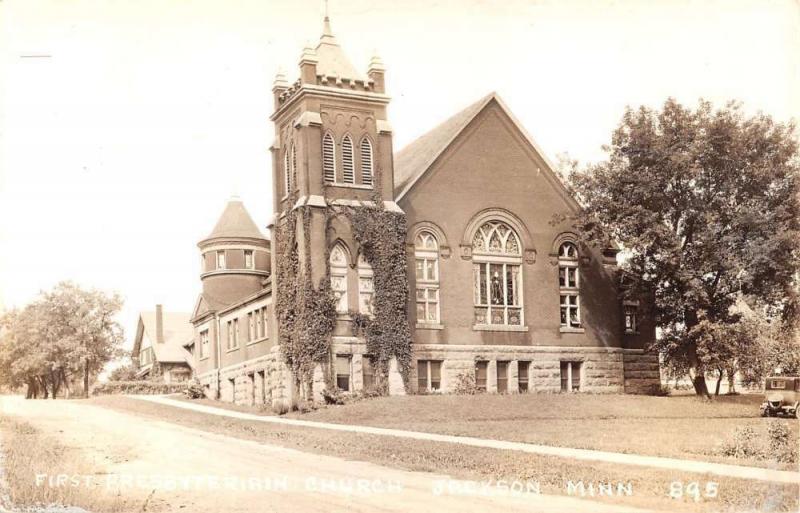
x=497, y=275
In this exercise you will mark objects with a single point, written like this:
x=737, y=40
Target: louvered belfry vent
x=366, y=161
x=328, y=158
x=348, y=169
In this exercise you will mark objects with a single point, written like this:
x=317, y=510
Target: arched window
x=338, y=262
x=287, y=172
x=569, y=285
x=294, y=167
x=366, y=161
x=366, y=287
x=497, y=275
x=426, y=254
x=348, y=170
x=328, y=158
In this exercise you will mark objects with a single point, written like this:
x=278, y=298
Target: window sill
x=204, y=358
x=631, y=332
x=256, y=341
x=569, y=329
x=232, y=349
x=429, y=326
x=497, y=327
x=349, y=185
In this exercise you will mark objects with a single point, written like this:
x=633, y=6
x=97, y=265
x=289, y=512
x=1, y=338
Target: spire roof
x=235, y=223
x=332, y=61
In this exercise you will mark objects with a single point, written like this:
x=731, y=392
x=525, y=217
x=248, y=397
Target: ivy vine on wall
x=306, y=312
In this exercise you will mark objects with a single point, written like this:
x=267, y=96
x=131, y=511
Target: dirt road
x=172, y=468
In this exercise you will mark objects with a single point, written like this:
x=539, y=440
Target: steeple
x=332, y=61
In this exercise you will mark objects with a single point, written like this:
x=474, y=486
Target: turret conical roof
x=235, y=223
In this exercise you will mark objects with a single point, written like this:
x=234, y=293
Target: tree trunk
x=56, y=382
x=699, y=380
x=731, y=381
x=719, y=381
x=30, y=393
x=65, y=384
x=86, y=378
x=43, y=384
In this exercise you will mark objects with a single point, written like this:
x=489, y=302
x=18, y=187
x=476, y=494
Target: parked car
x=781, y=396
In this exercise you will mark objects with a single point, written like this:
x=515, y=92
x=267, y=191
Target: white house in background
x=158, y=347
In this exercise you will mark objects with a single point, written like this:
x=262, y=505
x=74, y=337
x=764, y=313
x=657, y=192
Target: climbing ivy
x=306, y=313
x=381, y=236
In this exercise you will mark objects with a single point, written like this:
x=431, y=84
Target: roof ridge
x=416, y=157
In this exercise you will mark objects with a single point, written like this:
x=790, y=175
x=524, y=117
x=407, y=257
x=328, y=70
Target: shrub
x=465, y=384
x=780, y=447
x=195, y=390
x=334, y=396
x=126, y=372
x=138, y=387
x=745, y=444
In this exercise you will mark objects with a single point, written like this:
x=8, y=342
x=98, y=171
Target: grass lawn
x=26, y=453
x=677, y=426
x=553, y=473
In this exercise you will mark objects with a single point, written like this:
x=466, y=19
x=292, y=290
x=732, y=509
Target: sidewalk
x=702, y=467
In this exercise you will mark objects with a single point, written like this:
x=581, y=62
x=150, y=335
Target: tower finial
x=326, y=25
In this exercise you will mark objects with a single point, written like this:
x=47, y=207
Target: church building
x=501, y=297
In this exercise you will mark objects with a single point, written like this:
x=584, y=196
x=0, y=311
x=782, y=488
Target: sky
x=120, y=147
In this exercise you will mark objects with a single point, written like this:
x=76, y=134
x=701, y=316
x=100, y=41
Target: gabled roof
x=235, y=223
x=332, y=61
x=413, y=161
x=177, y=330
x=205, y=304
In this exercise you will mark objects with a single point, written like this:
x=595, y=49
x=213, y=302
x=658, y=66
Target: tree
x=64, y=332
x=705, y=204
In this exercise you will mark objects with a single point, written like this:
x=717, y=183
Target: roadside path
x=139, y=457
x=703, y=467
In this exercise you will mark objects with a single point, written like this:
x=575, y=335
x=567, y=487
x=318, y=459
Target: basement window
x=571, y=376
x=523, y=372
x=343, y=372
x=481, y=371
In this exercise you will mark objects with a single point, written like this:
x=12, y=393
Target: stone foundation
x=267, y=380
x=601, y=369
x=260, y=381
x=642, y=372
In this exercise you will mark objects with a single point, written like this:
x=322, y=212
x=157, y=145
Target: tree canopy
x=63, y=333
x=704, y=202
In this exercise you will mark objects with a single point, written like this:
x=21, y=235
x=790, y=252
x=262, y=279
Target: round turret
x=235, y=257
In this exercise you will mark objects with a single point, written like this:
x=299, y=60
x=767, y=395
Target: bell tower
x=333, y=143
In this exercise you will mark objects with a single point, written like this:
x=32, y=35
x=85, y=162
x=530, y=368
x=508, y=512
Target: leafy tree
x=64, y=332
x=125, y=372
x=705, y=204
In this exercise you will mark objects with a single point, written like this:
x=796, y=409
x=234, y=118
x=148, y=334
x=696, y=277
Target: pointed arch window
x=348, y=169
x=569, y=285
x=338, y=262
x=287, y=172
x=497, y=275
x=328, y=158
x=426, y=255
x=366, y=287
x=367, y=164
